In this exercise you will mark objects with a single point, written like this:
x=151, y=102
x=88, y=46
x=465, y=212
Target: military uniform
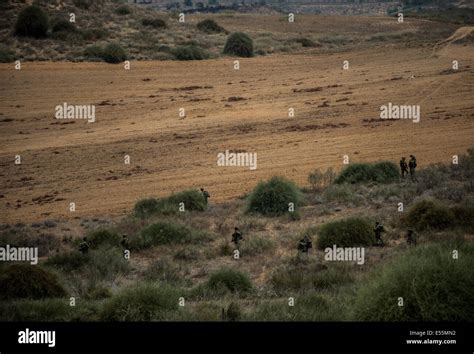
x=411, y=237
x=403, y=167
x=378, y=229
x=236, y=236
x=205, y=194
x=84, y=246
x=303, y=246
x=124, y=242
x=412, y=165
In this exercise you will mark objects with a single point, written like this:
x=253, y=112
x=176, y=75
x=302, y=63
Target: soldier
x=378, y=229
x=236, y=236
x=84, y=246
x=412, y=165
x=303, y=247
x=411, y=237
x=124, y=242
x=403, y=167
x=205, y=194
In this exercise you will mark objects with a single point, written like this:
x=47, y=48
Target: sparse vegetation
x=192, y=199
x=154, y=22
x=231, y=279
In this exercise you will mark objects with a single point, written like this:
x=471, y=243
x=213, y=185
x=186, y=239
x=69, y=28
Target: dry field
x=336, y=114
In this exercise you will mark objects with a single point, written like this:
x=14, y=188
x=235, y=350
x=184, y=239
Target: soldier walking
x=378, y=229
x=403, y=167
x=205, y=195
x=303, y=247
x=412, y=165
x=236, y=236
x=124, y=242
x=411, y=237
x=84, y=246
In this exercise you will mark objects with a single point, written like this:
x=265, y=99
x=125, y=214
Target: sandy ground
x=336, y=113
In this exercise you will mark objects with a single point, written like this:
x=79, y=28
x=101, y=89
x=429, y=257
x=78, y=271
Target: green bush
x=103, y=237
x=427, y=214
x=433, y=286
x=348, y=232
x=272, y=198
x=32, y=22
x=192, y=199
x=143, y=302
x=113, y=53
x=380, y=172
x=239, y=44
x=28, y=281
x=231, y=279
x=123, y=10
x=210, y=26
x=154, y=22
x=94, y=52
x=190, y=52
x=164, y=232
x=63, y=26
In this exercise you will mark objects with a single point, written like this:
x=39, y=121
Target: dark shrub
x=103, y=237
x=231, y=279
x=427, y=214
x=163, y=233
x=272, y=198
x=147, y=207
x=154, y=22
x=190, y=52
x=32, y=22
x=143, y=302
x=433, y=286
x=305, y=42
x=63, y=26
x=233, y=312
x=123, y=10
x=114, y=54
x=94, y=52
x=380, y=172
x=28, y=281
x=464, y=215
x=348, y=232
x=239, y=44
x=210, y=26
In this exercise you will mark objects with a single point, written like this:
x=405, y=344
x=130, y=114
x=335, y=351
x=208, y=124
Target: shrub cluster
x=233, y=280
x=348, y=232
x=32, y=22
x=190, y=52
x=210, y=26
x=192, y=199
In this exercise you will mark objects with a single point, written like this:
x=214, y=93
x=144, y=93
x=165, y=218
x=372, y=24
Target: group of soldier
x=305, y=244
x=408, y=167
